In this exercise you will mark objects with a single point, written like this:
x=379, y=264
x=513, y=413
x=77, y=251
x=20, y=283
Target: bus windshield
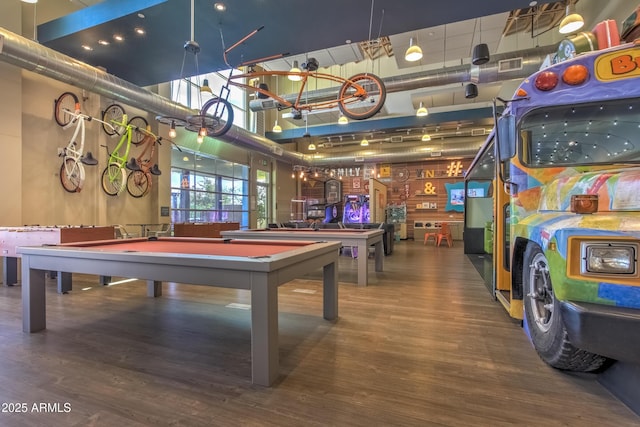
x=605, y=132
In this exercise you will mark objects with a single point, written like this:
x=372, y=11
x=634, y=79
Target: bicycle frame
x=139, y=181
x=72, y=170
x=353, y=100
x=114, y=175
x=359, y=94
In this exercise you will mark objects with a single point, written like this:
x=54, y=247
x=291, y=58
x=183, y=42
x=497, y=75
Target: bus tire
x=544, y=319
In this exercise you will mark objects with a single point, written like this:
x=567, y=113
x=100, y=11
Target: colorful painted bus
x=564, y=161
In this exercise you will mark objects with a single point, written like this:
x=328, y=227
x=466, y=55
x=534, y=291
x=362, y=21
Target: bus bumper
x=606, y=330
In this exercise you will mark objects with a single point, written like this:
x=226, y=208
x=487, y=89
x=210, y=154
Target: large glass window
x=587, y=134
x=206, y=189
x=187, y=92
x=262, y=198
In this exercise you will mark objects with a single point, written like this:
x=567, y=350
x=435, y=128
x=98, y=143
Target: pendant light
x=470, y=91
x=480, y=53
x=364, y=142
x=422, y=111
x=276, y=127
x=413, y=53
x=342, y=120
x=295, y=69
x=426, y=137
x=572, y=22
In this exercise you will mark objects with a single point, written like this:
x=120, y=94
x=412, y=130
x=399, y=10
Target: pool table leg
x=265, y=364
x=330, y=291
x=64, y=282
x=9, y=270
x=363, y=273
x=154, y=288
x=33, y=298
x=379, y=253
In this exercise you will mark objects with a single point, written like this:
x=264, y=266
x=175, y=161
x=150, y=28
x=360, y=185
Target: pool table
x=361, y=239
x=255, y=265
x=13, y=237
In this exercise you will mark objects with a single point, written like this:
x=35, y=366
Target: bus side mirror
x=506, y=137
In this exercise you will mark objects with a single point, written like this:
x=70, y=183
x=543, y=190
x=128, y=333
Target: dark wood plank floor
x=424, y=345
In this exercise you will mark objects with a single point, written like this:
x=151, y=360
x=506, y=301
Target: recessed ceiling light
x=103, y=42
x=141, y=15
x=87, y=47
x=139, y=30
x=118, y=37
x=220, y=7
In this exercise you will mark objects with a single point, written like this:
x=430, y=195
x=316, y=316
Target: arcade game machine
x=332, y=213
x=356, y=209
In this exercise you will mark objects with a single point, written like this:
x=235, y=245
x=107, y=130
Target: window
x=262, y=199
x=206, y=189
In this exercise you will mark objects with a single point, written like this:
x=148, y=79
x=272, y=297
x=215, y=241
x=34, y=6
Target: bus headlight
x=609, y=259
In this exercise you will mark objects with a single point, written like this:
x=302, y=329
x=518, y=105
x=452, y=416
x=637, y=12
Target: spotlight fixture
x=470, y=91
x=422, y=111
x=480, y=54
x=276, y=128
x=220, y=7
x=426, y=137
x=572, y=22
x=342, y=120
x=172, y=130
x=364, y=142
x=413, y=53
x=295, y=69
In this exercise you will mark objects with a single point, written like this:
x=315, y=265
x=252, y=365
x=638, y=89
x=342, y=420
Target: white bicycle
x=67, y=113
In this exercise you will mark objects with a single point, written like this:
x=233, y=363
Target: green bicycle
x=114, y=176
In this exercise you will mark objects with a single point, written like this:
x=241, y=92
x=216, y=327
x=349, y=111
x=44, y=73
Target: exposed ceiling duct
x=501, y=67
x=34, y=57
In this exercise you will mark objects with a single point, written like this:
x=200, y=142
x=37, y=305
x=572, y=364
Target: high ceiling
x=339, y=34
x=291, y=26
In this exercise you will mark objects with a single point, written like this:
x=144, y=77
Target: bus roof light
x=546, y=80
x=575, y=74
x=584, y=203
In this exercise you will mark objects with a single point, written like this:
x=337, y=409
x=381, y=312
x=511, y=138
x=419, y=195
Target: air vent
x=478, y=132
x=513, y=64
x=359, y=159
x=277, y=150
x=436, y=153
x=396, y=138
x=268, y=103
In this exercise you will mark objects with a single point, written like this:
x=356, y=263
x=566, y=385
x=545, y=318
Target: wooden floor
x=423, y=345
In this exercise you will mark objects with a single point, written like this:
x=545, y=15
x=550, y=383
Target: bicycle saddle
x=312, y=64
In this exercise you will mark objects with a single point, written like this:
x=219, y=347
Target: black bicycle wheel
x=64, y=107
x=113, y=113
x=138, y=122
x=138, y=183
x=113, y=179
x=217, y=116
x=71, y=175
x=360, y=106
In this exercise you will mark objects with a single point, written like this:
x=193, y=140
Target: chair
x=430, y=234
x=122, y=233
x=165, y=230
x=444, y=233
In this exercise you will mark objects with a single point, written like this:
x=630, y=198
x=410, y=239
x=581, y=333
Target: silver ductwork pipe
x=34, y=57
x=530, y=61
x=394, y=156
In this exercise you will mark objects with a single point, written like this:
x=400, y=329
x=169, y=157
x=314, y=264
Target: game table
x=13, y=237
x=255, y=265
x=361, y=239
